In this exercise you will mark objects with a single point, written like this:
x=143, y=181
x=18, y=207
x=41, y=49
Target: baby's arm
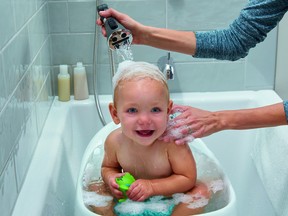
x=182, y=180
x=111, y=169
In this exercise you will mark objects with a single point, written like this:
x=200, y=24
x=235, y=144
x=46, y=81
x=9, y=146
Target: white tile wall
x=8, y=188
x=24, y=43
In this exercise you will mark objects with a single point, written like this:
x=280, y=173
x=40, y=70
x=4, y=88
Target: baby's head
x=132, y=70
x=141, y=101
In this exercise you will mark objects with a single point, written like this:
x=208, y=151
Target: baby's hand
x=113, y=186
x=140, y=190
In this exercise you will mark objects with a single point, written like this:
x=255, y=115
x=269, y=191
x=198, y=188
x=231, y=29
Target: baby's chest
x=146, y=165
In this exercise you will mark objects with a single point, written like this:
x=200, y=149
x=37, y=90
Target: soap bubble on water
x=130, y=207
x=216, y=185
x=199, y=203
x=94, y=199
x=195, y=201
x=159, y=205
x=155, y=204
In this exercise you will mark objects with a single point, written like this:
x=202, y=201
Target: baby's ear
x=170, y=105
x=113, y=113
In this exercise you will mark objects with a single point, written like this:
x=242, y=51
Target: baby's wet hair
x=128, y=70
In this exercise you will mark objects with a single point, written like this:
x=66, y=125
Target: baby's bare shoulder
x=114, y=137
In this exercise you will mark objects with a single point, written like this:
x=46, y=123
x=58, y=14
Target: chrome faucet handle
x=169, y=71
x=166, y=65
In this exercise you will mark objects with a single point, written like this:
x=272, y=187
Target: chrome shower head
x=117, y=35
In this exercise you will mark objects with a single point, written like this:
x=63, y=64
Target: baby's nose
x=144, y=119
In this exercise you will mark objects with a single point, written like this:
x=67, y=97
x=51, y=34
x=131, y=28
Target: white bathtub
x=50, y=185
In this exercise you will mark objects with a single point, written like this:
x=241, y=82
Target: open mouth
x=145, y=133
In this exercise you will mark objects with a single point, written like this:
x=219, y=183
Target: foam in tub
x=222, y=202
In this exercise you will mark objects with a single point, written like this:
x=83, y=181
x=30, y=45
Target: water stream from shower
x=125, y=52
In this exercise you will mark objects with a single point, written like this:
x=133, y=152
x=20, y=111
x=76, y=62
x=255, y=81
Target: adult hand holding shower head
x=117, y=35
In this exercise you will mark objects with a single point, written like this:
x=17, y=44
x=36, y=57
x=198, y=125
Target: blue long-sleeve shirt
x=251, y=27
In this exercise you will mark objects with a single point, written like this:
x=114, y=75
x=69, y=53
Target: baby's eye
x=132, y=110
x=155, y=109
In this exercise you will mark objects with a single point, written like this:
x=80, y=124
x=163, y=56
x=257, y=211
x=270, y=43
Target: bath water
x=208, y=172
x=125, y=52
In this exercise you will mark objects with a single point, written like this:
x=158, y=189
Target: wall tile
x=89, y=73
x=43, y=104
x=23, y=11
x=141, y=10
x=5, y=137
x=203, y=77
x=13, y=121
x=38, y=31
x=82, y=16
x=3, y=92
x=7, y=22
x=69, y=49
x=58, y=17
x=16, y=59
x=8, y=189
x=260, y=69
x=39, y=3
x=40, y=68
x=30, y=88
x=104, y=79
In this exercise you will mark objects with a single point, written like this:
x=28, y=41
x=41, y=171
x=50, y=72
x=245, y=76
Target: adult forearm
x=267, y=116
x=255, y=21
x=178, y=41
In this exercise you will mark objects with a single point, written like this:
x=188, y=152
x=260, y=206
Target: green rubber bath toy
x=124, y=183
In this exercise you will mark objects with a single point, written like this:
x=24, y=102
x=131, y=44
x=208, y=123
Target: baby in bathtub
x=141, y=103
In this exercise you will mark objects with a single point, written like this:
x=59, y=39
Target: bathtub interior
x=222, y=202
x=50, y=184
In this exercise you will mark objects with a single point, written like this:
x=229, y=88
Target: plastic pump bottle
x=80, y=82
x=63, y=84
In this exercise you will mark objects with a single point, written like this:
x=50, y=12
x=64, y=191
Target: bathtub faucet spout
x=166, y=65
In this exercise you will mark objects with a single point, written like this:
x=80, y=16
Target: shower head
x=117, y=35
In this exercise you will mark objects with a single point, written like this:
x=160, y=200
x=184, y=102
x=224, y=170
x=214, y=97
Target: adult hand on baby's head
x=189, y=124
x=113, y=186
x=140, y=190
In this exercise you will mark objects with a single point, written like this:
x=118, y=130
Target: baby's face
x=142, y=108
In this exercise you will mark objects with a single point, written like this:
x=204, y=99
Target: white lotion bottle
x=64, y=84
x=80, y=82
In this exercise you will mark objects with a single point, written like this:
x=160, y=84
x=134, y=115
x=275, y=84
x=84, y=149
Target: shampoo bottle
x=63, y=84
x=80, y=82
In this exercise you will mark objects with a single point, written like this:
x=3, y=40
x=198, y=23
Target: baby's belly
x=148, y=170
